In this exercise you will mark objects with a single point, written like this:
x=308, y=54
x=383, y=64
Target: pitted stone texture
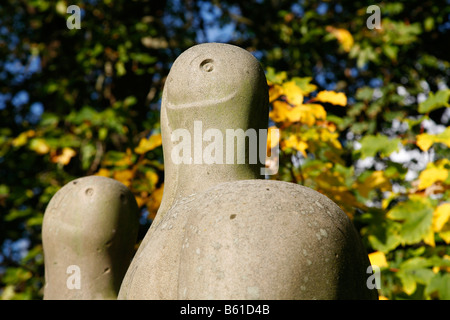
x=270, y=240
x=92, y=223
x=253, y=239
x=224, y=87
x=153, y=273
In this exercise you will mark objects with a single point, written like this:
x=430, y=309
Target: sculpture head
x=89, y=232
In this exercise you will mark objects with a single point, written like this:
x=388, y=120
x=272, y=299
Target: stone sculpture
x=222, y=231
x=89, y=232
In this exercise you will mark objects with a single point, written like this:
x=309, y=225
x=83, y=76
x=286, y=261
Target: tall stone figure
x=222, y=232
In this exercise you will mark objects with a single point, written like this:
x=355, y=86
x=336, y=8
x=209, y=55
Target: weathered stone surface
x=253, y=239
x=224, y=87
x=90, y=223
x=221, y=233
x=269, y=240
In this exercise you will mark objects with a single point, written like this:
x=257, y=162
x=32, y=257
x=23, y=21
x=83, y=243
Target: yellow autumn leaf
x=271, y=143
x=274, y=92
x=141, y=199
x=124, y=176
x=376, y=180
x=429, y=238
x=103, y=172
x=344, y=37
x=445, y=236
x=152, y=177
x=317, y=110
x=441, y=216
x=294, y=142
x=330, y=137
x=424, y=141
x=146, y=145
x=126, y=161
x=300, y=113
x=382, y=298
x=280, y=111
x=293, y=93
x=22, y=138
x=378, y=259
x=432, y=175
x=64, y=157
x=40, y=146
x=337, y=98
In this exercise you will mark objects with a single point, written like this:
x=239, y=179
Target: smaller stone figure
x=89, y=232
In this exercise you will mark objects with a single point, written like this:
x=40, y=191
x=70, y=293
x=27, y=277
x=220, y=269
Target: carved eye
x=207, y=65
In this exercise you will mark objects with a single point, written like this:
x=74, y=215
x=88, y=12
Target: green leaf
x=371, y=145
x=413, y=271
x=435, y=101
x=390, y=51
x=18, y=214
x=143, y=58
x=275, y=77
x=384, y=235
x=16, y=275
x=440, y=284
x=120, y=68
x=4, y=190
x=416, y=216
x=304, y=84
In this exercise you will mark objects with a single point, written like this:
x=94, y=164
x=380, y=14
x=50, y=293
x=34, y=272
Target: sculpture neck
x=203, y=148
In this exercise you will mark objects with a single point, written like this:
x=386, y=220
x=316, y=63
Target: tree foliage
x=363, y=116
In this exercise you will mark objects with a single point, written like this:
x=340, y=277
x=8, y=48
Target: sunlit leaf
x=441, y=216
x=376, y=180
x=63, y=157
x=294, y=142
x=275, y=92
x=152, y=177
x=416, y=215
x=304, y=84
x=22, y=138
x=344, y=37
x=40, y=146
x=433, y=173
x=425, y=140
x=378, y=259
x=103, y=172
x=293, y=93
x=413, y=271
x=124, y=176
x=435, y=101
x=371, y=145
x=430, y=176
x=440, y=283
x=337, y=98
x=149, y=144
x=280, y=111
